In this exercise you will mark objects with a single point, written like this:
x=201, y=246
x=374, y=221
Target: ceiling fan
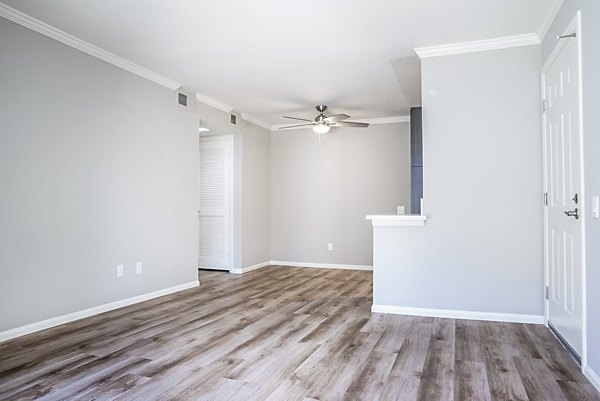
x=322, y=124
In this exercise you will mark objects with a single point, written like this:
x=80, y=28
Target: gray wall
x=590, y=10
x=251, y=182
x=98, y=167
x=322, y=193
x=482, y=246
x=256, y=199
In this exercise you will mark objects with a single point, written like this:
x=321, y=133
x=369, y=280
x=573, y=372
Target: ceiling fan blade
x=336, y=118
x=294, y=126
x=296, y=118
x=350, y=124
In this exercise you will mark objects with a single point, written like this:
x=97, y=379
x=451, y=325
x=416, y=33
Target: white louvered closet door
x=214, y=213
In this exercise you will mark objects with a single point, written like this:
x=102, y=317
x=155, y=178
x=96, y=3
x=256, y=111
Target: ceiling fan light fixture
x=321, y=128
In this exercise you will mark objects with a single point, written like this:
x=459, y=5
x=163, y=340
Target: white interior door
x=214, y=214
x=563, y=185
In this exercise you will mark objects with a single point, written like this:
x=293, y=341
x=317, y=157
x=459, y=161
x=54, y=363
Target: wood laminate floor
x=286, y=334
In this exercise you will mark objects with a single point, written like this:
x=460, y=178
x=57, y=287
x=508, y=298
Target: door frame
x=229, y=144
x=574, y=26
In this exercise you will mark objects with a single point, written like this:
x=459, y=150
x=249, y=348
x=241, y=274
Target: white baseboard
x=456, y=314
x=57, y=321
x=320, y=265
x=592, y=377
x=250, y=268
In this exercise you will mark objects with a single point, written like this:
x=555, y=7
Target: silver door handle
x=573, y=213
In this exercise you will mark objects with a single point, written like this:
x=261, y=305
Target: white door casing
x=215, y=211
x=563, y=184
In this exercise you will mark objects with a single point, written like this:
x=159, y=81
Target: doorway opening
x=215, y=211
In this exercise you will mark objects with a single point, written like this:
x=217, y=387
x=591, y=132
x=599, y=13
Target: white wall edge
x=548, y=18
x=457, y=314
x=397, y=220
x=256, y=121
x=592, y=377
x=57, y=321
x=280, y=263
x=478, y=45
x=214, y=103
x=81, y=45
x=250, y=268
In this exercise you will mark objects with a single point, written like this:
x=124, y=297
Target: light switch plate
x=595, y=207
x=119, y=270
x=138, y=268
x=330, y=246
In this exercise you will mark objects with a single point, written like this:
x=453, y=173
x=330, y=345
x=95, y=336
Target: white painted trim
x=280, y=263
x=478, y=45
x=256, y=121
x=456, y=314
x=81, y=45
x=57, y=321
x=584, y=219
x=250, y=268
x=548, y=18
x=212, y=269
x=592, y=377
x=372, y=121
x=214, y=103
x=398, y=220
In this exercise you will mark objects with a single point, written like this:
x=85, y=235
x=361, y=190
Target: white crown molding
x=457, y=314
x=76, y=43
x=214, y=103
x=548, y=18
x=478, y=46
x=256, y=121
x=57, y=321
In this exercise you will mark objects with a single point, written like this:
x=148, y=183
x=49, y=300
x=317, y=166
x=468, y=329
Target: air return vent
x=182, y=99
x=233, y=119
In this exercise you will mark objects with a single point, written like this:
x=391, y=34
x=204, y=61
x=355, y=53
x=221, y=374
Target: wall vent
x=182, y=99
x=233, y=119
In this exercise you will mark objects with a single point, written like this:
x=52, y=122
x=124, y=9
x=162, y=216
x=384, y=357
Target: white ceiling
x=269, y=58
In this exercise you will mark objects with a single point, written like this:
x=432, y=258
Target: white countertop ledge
x=397, y=220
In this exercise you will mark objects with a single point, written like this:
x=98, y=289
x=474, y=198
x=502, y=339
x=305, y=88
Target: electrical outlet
x=595, y=207
x=138, y=268
x=330, y=246
x=119, y=270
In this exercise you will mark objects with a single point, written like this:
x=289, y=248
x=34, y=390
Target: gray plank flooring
x=286, y=334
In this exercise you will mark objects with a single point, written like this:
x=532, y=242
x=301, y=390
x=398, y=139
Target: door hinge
x=546, y=198
x=543, y=106
x=547, y=292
